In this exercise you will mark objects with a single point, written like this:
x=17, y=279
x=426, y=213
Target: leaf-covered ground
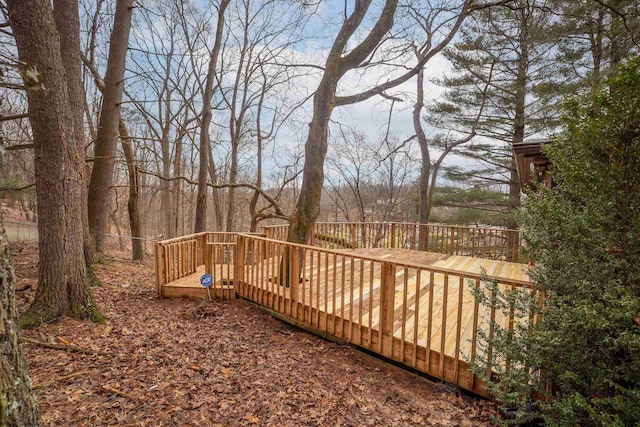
x=161, y=362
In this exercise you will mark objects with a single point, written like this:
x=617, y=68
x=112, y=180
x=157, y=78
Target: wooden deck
x=190, y=287
x=415, y=307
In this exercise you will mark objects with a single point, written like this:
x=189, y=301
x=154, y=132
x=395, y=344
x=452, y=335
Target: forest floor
x=162, y=362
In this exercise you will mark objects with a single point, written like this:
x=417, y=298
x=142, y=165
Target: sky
x=370, y=117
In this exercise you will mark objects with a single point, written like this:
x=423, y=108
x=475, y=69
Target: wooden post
x=388, y=290
x=159, y=263
x=294, y=279
x=412, y=239
x=453, y=237
x=194, y=256
x=208, y=258
x=393, y=234
x=354, y=236
x=238, y=274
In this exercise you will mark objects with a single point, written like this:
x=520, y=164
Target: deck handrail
x=466, y=274
x=478, y=242
x=383, y=309
x=178, y=257
x=422, y=316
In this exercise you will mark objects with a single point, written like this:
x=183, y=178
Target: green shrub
x=584, y=234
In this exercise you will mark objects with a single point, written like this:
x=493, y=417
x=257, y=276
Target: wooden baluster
x=311, y=284
x=443, y=325
x=342, y=288
x=319, y=286
x=393, y=235
x=474, y=333
x=456, y=355
x=361, y=300
x=294, y=280
x=492, y=322
x=159, y=262
x=326, y=291
x=452, y=241
x=416, y=316
x=239, y=258
x=510, y=327
x=354, y=237
x=207, y=258
x=371, y=301
x=351, y=280
x=403, y=318
x=387, y=294
x=430, y=320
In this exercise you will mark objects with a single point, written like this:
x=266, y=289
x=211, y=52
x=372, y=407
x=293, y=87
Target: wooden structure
x=415, y=307
x=531, y=163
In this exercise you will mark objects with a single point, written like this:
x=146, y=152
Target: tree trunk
x=165, y=183
x=176, y=214
x=424, y=207
x=15, y=384
x=308, y=205
x=67, y=19
x=62, y=288
x=107, y=138
x=233, y=177
x=518, y=132
x=215, y=195
x=205, y=122
x=135, y=224
x=254, y=198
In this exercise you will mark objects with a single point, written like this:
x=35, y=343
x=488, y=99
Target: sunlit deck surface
x=340, y=302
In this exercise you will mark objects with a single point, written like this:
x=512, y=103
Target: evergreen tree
x=594, y=38
x=502, y=63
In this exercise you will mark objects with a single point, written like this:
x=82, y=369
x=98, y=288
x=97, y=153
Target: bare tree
x=63, y=288
x=66, y=13
x=107, y=136
x=205, y=121
x=352, y=163
x=340, y=60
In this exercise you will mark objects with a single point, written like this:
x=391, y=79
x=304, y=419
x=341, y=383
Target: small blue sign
x=206, y=280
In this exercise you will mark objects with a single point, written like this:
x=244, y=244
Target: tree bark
x=107, y=138
x=215, y=195
x=176, y=214
x=66, y=15
x=62, y=288
x=135, y=224
x=201, y=202
x=518, y=130
x=15, y=384
x=425, y=164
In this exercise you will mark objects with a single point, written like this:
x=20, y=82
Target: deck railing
x=176, y=258
x=426, y=318
x=479, y=242
x=180, y=257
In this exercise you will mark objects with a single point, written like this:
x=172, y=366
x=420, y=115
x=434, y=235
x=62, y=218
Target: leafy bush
x=583, y=356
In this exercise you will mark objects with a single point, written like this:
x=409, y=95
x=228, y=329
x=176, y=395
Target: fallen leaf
x=252, y=419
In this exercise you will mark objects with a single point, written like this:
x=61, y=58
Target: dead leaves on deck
x=188, y=363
